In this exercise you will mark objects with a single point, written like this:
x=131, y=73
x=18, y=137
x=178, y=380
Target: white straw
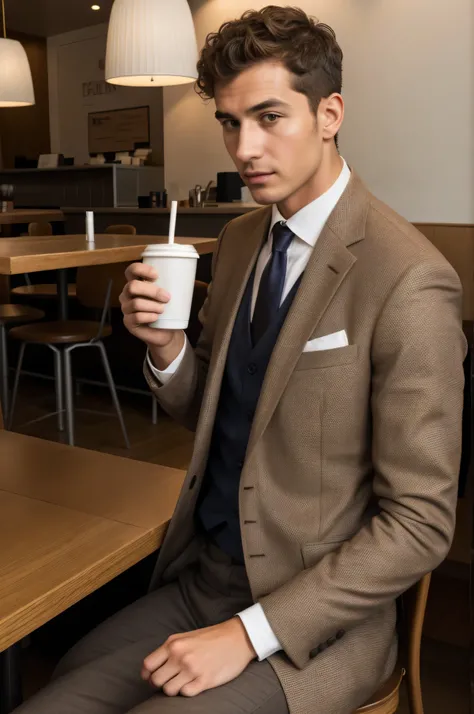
x=90, y=226
x=174, y=209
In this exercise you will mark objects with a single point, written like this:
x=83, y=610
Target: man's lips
x=258, y=177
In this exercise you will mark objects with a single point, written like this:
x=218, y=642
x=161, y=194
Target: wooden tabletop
x=29, y=255
x=70, y=521
x=30, y=215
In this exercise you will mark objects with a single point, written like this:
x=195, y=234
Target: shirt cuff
x=261, y=635
x=164, y=375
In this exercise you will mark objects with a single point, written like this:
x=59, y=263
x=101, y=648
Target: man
x=326, y=395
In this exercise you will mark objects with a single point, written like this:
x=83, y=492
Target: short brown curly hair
x=306, y=47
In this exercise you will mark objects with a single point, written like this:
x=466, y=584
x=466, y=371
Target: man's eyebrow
x=267, y=104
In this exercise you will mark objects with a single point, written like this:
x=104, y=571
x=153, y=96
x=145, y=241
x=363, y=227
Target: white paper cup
x=176, y=267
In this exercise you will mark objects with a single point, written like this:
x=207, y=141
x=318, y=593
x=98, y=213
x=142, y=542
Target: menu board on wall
x=118, y=129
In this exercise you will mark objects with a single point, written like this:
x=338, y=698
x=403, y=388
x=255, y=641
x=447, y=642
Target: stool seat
x=44, y=291
x=64, y=332
x=19, y=313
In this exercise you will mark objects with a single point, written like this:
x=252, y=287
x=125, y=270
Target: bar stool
x=98, y=287
x=11, y=315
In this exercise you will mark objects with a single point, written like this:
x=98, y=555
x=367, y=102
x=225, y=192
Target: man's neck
x=323, y=179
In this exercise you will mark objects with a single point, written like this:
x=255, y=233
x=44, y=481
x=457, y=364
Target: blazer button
x=252, y=368
x=192, y=483
x=332, y=641
x=323, y=646
x=340, y=634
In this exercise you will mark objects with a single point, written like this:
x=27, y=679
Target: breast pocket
x=328, y=358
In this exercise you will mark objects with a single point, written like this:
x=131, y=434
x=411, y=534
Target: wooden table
x=70, y=521
x=29, y=215
x=29, y=255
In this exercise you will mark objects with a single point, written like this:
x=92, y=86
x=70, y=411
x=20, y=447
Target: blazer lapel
x=246, y=254
x=328, y=267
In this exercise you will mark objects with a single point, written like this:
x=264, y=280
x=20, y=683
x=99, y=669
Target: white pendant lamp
x=151, y=43
x=16, y=84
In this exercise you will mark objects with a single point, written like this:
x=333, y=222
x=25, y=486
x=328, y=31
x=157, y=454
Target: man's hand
x=142, y=303
x=192, y=662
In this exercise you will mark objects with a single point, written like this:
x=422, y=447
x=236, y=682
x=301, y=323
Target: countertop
x=85, y=167
x=223, y=208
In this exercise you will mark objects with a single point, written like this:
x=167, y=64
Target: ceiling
x=52, y=17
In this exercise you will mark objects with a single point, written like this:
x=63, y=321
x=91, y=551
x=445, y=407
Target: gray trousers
x=101, y=674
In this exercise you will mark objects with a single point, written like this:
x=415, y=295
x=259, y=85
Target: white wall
x=409, y=91
x=73, y=58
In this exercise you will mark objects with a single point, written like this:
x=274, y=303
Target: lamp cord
x=3, y=19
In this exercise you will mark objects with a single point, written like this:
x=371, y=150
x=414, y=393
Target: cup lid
x=167, y=249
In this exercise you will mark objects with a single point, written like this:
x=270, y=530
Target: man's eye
x=230, y=124
x=271, y=118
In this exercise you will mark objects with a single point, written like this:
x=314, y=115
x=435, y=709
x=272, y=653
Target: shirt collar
x=308, y=222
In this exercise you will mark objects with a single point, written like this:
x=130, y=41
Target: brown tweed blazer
x=348, y=491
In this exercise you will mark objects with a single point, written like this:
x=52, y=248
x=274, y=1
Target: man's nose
x=250, y=144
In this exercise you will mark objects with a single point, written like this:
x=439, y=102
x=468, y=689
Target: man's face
x=270, y=132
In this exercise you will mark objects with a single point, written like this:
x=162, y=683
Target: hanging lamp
x=151, y=43
x=16, y=83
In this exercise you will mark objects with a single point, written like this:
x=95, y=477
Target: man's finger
x=173, y=687
x=141, y=289
x=142, y=305
x=192, y=689
x=140, y=271
x=170, y=670
x=156, y=659
x=140, y=319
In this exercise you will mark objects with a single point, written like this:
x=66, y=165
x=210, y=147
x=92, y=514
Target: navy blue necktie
x=272, y=282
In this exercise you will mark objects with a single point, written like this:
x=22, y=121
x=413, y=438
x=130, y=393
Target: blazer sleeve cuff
x=165, y=375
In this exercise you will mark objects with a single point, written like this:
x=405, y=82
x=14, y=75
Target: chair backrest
x=40, y=228
x=93, y=283
x=413, y=615
x=125, y=230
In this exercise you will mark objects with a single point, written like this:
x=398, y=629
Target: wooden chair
x=386, y=700
x=11, y=315
x=41, y=229
x=122, y=230
x=98, y=287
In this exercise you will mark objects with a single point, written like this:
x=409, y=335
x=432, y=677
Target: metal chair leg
x=59, y=381
x=4, y=372
x=15, y=384
x=69, y=396
x=10, y=684
x=113, y=391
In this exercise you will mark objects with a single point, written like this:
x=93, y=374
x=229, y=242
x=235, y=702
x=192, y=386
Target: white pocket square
x=327, y=342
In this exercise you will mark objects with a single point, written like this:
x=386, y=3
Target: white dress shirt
x=307, y=225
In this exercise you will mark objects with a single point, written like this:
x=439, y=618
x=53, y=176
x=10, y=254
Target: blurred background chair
x=122, y=230
x=98, y=287
x=11, y=315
